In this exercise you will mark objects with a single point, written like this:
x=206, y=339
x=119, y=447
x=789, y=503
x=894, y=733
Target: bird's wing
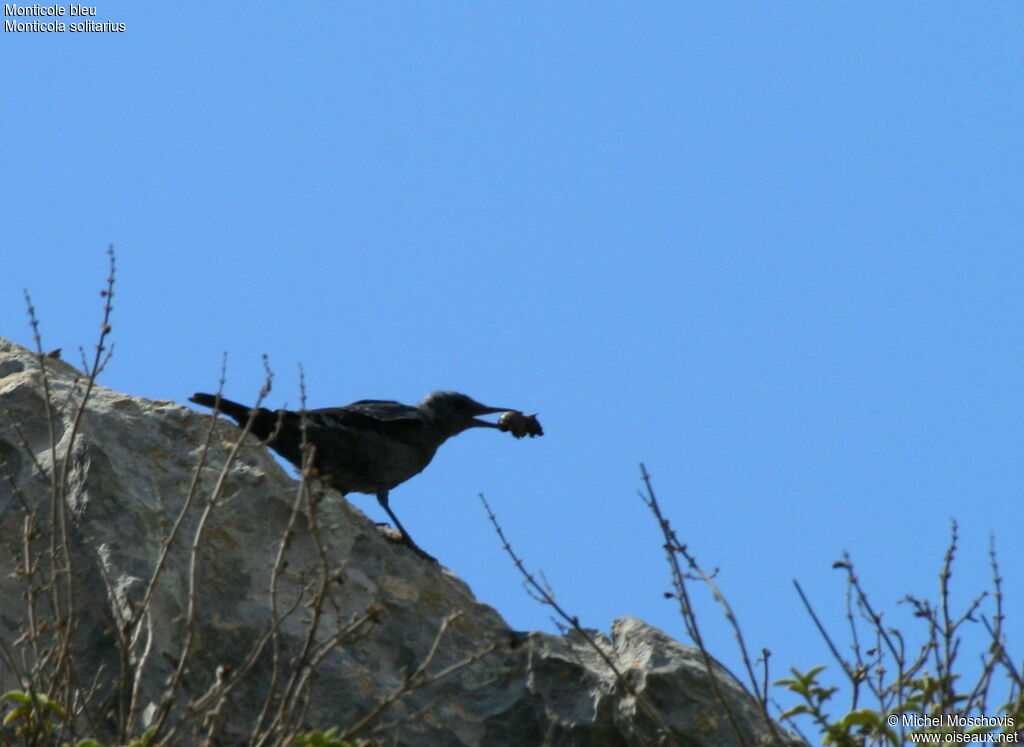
x=383, y=409
x=392, y=419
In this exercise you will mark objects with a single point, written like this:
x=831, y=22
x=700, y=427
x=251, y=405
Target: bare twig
x=192, y=602
x=544, y=595
x=418, y=678
x=673, y=549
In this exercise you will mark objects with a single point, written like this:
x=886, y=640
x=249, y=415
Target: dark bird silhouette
x=371, y=445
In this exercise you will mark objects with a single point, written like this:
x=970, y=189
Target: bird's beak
x=489, y=411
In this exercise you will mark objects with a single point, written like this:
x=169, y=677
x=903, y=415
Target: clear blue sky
x=774, y=250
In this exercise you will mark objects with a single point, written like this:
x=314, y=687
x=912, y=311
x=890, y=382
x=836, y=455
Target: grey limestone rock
x=130, y=468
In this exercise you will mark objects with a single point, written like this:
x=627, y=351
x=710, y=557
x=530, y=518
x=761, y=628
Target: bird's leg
x=382, y=499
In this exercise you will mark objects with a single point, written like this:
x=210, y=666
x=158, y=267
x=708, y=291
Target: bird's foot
x=421, y=552
x=397, y=537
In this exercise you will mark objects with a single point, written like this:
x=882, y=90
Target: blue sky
x=771, y=250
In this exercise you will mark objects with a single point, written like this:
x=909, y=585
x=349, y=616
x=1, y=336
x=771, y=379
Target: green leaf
x=795, y=711
x=863, y=717
x=17, y=713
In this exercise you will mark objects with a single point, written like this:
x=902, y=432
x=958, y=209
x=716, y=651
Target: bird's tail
x=278, y=428
x=226, y=406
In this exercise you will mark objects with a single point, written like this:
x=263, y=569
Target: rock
x=135, y=469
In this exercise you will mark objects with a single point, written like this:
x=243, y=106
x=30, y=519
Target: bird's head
x=456, y=412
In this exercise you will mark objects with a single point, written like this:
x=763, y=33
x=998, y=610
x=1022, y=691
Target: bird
x=371, y=446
